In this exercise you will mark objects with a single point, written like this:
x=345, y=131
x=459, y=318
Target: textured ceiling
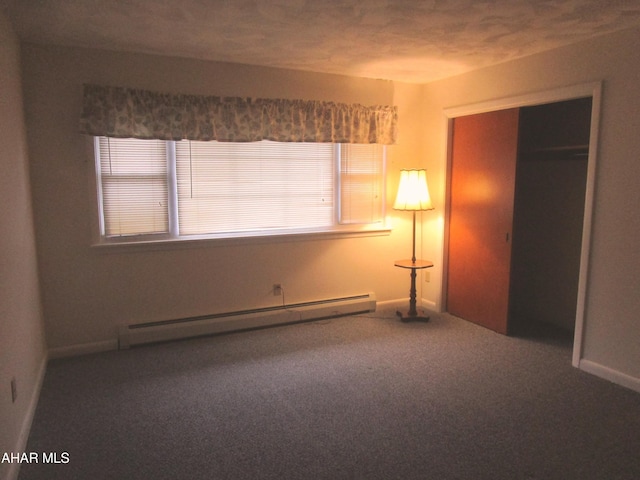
x=406, y=40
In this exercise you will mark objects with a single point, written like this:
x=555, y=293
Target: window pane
x=234, y=187
x=132, y=179
x=361, y=183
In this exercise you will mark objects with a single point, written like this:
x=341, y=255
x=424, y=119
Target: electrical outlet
x=277, y=289
x=427, y=276
x=14, y=390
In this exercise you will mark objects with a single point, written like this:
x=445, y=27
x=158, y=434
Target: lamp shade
x=413, y=192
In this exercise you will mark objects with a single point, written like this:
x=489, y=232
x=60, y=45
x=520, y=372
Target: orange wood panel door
x=483, y=173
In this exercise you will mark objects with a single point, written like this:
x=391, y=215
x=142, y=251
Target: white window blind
x=234, y=187
x=150, y=189
x=132, y=182
x=361, y=184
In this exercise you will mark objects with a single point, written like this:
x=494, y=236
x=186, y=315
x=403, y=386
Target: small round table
x=414, y=265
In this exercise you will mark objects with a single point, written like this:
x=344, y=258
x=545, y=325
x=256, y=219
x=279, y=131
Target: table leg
x=412, y=314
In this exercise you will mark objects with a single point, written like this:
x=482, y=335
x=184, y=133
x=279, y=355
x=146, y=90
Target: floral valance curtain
x=126, y=112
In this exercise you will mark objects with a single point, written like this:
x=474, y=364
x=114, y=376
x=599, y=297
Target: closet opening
x=548, y=221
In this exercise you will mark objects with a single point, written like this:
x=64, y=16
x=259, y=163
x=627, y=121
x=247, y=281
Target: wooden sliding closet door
x=482, y=190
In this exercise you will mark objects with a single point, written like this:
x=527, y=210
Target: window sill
x=222, y=240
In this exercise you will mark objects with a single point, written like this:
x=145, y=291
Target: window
x=163, y=190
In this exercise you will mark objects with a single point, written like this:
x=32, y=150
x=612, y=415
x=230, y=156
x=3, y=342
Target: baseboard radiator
x=162, y=331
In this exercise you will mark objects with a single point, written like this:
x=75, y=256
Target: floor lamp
x=413, y=195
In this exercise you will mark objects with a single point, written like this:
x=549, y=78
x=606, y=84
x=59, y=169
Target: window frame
x=172, y=237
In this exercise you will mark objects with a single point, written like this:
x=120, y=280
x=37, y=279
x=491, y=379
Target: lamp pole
x=413, y=251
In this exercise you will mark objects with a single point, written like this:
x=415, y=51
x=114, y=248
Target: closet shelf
x=565, y=152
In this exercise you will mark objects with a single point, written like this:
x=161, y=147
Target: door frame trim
x=593, y=90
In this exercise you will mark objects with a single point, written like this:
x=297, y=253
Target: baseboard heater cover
x=161, y=331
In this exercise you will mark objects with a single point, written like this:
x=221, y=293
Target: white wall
x=22, y=349
x=612, y=323
x=88, y=292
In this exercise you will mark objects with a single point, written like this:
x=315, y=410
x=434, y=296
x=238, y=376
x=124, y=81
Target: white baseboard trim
x=611, y=375
x=23, y=438
x=108, y=345
x=393, y=304
x=428, y=304
x=83, y=349
x=403, y=304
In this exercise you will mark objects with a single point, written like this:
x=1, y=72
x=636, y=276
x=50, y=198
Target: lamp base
x=410, y=317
